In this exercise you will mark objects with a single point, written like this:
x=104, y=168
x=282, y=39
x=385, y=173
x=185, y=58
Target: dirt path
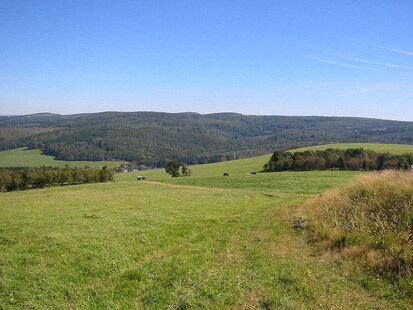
x=189, y=186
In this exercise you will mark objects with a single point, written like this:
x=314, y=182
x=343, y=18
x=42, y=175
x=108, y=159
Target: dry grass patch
x=370, y=218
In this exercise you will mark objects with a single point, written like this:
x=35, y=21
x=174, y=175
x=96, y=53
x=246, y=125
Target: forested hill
x=152, y=138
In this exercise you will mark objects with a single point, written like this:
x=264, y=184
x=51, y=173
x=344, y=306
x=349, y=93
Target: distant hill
x=152, y=138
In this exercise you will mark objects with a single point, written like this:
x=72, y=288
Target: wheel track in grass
x=226, y=189
x=164, y=251
x=296, y=244
x=253, y=233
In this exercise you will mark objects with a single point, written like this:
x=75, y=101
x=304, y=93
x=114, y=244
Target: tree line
x=349, y=159
x=25, y=178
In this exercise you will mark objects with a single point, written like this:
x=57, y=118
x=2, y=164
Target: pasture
x=22, y=157
x=141, y=245
x=200, y=242
x=233, y=167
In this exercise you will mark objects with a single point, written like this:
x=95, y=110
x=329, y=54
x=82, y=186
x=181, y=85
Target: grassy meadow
x=200, y=242
x=22, y=157
x=233, y=167
x=139, y=245
x=281, y=182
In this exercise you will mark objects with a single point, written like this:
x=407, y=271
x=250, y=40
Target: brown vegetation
x=371, y=218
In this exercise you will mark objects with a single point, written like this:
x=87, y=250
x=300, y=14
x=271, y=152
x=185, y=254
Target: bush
x=371, y=218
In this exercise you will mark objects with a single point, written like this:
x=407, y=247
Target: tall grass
x=370, y=218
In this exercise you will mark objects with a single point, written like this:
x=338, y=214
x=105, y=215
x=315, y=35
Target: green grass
x=200, y=242
x=233, y=167
x=23, y=157
x=137, y=245
x=377, y=147
x=300, y=182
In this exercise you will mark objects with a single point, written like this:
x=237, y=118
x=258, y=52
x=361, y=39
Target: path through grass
x=135, y=245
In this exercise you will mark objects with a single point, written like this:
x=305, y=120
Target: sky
x=330, y=58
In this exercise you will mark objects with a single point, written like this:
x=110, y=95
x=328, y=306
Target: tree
x=186, y=171
x=177, y=169
x=173, y=168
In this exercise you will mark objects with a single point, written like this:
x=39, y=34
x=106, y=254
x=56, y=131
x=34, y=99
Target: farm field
x=134, y=245
x=279, y=182
x=377, y=147
x=23, y=157
x=236, y=167
x=200, y=242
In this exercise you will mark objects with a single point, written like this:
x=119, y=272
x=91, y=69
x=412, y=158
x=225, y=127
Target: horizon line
x=199, y=113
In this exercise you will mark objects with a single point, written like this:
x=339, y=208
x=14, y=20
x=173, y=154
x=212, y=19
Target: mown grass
x=293, y=182
x=233, y=167
x=22, y=157
x=377, y=147
x=136, y=245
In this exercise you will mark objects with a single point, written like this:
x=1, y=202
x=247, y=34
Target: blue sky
x=343, y=58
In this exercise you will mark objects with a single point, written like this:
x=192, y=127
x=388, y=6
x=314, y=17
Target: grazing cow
x=226, y=174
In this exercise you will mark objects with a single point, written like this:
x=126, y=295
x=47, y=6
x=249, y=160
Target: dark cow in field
x=253, y=172
x=140, y=178
x=226, y=174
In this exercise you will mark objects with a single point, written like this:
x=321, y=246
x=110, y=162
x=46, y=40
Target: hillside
x=22, y=157
x=152, y=138
x=233, y=167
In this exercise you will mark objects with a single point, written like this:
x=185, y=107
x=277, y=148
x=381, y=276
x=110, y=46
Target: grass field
x=200, y=242
x=23, y=157
x=280, y=182
x=377, y=147
x=233, y=167
x=139, y=245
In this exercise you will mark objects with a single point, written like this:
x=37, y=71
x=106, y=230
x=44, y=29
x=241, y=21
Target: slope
x=153, y=138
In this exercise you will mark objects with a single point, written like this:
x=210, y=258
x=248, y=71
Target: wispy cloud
x=397, y=50
x=332, y=62
x=351, y=88
x=373, y=62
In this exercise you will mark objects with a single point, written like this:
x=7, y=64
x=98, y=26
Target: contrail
x=397, y=50
x=374, y=62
